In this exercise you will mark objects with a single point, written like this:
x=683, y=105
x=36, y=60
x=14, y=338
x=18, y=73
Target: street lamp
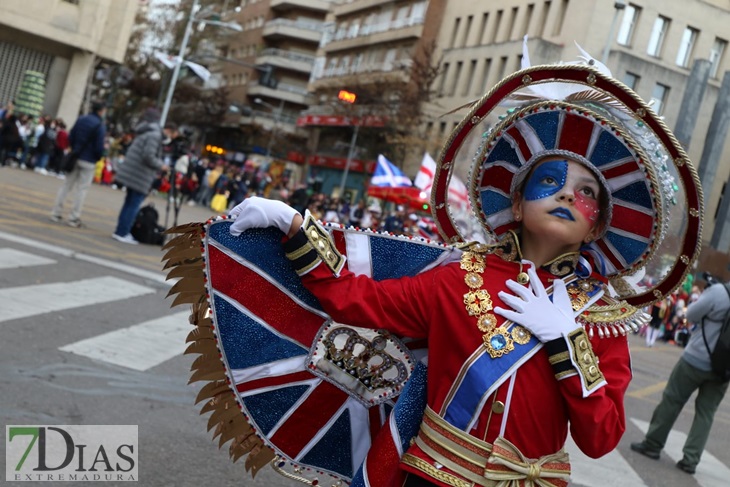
x=277, y=115
x=183, y=47
x=618, y=6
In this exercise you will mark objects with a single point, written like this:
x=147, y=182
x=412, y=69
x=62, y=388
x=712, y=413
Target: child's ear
x=517, y=207
x=595, y=232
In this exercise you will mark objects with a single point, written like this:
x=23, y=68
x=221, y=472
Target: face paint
x=546, y=180
x=587, y=206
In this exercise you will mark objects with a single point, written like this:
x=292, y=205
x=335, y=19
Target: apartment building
x=650, y=45
x=62, y=39
x=266, y=68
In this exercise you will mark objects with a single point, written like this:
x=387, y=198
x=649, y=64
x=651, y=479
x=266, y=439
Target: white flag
x=166, y=59
x=201, y=71
x=458, y=194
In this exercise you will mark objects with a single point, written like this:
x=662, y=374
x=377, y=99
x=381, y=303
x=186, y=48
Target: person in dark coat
x=87, y=140
x=141, y=164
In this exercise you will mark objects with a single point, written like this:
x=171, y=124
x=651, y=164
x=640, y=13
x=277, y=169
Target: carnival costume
x=303, y=374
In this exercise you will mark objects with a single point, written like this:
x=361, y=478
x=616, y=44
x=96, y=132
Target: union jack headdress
x=580, y=112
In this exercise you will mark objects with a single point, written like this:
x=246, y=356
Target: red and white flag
x=458, y=194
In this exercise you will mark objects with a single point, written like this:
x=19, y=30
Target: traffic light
x=425, y=207
x=347, y=96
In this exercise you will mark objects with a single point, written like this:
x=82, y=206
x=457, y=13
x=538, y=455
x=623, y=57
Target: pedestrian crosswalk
x=141, y=346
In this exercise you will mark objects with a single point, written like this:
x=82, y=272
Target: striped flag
x=458, y=194
x=386, y=174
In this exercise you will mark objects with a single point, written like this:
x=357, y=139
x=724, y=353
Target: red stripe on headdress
x=522, y=146
x=497, y=177
x=575, y=135
x=632, y=221
x=608, y=253
x=622, y=169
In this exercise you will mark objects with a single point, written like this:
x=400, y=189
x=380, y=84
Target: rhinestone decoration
x=684, y=259
x=591, y=79
x=693, y=212
x=526, y=79
x=641, y=112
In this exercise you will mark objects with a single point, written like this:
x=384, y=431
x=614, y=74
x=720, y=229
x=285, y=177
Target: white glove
x=546, y=319
x=257, y=212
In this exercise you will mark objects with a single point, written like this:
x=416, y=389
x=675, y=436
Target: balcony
x=385, y=67
x=283, y=91
x=302, y=30
x=367, y=35
x=357, y=6
x=283, y=59
x=321, y=6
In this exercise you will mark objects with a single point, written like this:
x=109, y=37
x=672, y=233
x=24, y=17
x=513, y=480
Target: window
x=631, y=80
x=512, y=21
x=457, y=22
x=686, y=46
x=485, y=75
x=457, y=78
x=444, y=75
x=718, y=50
x=495, y=29
x=467, y=28
x=628, y=24
x=502, y=67
x=483, y=30
x=543, y=18
x=561, y=18
x=658, y=33
x=528, y=18
x=659, y=97
x=469, y=78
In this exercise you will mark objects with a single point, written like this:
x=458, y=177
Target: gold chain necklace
x=497, y=340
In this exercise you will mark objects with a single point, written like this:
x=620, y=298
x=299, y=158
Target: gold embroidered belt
x=479, y=463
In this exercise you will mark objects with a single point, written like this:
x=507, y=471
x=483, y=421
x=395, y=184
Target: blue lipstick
x=563, y=213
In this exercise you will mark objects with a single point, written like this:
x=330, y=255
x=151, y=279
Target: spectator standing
x=46, y=146
x=87, y=140
x=692, y=372
x=61, y=146
x=141, y=165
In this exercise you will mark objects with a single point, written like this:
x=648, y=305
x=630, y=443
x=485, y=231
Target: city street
x=89, y=338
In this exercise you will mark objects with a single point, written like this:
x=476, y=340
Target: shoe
x=75, y=223
x=642, y=448
x=128, y=239
x=686, y=467
x=55, y=219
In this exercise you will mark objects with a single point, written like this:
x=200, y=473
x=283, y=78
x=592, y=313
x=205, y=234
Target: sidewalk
x=26, y=199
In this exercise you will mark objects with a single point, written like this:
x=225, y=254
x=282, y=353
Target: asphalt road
x=76, y=312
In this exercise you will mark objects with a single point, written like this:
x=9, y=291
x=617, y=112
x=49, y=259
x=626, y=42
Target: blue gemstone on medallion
x=498, y=342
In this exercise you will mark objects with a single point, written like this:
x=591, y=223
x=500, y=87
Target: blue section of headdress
x=493, y=202
x=503, y=151
x=629, y=248
x=608, y=149
x=636, y=193
x=545, y=125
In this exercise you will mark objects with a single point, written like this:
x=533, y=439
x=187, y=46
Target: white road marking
x=611, y=470
x=711, y=472
x=14, y=259
x=24, y=301
x=139, y=347
x=135, y=271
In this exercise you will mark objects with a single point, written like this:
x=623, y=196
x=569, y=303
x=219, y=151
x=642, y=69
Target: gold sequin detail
x=486, y=323
x=472, y=262
x=520, y=334
x=478, y=302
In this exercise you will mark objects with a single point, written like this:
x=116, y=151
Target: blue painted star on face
x=546, y=180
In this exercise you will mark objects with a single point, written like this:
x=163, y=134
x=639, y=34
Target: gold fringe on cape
x=184, y=260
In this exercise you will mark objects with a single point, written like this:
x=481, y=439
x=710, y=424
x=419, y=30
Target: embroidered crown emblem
x=363, y=359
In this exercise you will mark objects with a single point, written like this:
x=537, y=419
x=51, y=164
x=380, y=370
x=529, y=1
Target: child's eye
x=549, y=180
x=589, y=192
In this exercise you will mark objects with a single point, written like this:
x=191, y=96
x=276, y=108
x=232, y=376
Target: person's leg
x=42, y=161
x=708, y=399
x=680, y=386
x=85, y=176
x=132, y=202
x=68, y=183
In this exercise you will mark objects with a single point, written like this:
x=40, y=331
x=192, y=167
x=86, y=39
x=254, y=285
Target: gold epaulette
x=311, y=246
x=614, y=318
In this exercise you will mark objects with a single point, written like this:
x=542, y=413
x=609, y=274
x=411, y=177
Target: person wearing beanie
x=86, y=140
x=141, y=165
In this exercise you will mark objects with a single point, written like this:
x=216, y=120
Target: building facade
x=61, y=39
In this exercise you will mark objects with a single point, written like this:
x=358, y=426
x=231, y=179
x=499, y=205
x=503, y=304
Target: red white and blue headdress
x=579, y=111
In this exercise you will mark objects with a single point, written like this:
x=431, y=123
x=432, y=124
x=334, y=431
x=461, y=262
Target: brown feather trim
x=212, y=389
x=201, y=333
x=199, y=375
x=202, y=347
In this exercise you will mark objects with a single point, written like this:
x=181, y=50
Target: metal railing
x=365, y=30
x=292, y=56
x=297, y=24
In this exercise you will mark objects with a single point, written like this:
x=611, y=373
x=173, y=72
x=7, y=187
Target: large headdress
x=579, y=111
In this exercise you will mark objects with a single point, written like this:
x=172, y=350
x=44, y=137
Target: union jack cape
x=257, y=329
